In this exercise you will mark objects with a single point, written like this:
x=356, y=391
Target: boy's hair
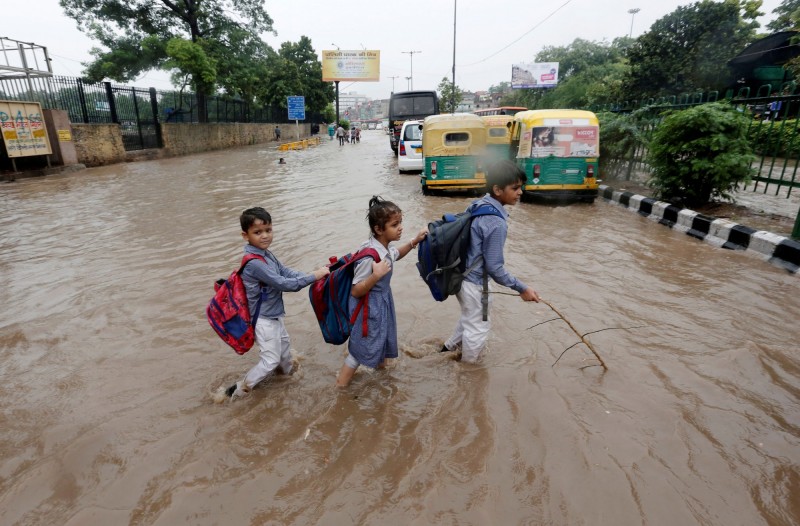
x=503, y=173
x=250, y=215
x=380, y=212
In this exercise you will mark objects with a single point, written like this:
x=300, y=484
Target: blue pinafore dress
x=381, y=339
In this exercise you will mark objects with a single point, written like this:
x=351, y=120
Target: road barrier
x=299, y=145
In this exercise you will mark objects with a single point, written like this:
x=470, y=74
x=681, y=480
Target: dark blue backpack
x=330, y=298
x=442, y=255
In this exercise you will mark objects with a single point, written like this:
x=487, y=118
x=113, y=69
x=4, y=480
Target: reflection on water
x=107, y=364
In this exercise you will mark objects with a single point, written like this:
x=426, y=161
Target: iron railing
x=87, y=102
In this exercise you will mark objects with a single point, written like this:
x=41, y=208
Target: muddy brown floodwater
x=107, y=364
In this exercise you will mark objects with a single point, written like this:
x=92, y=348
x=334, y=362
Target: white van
x=409, y=148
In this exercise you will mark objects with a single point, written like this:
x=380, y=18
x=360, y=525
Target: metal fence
x=138, y=111
x=772, y=129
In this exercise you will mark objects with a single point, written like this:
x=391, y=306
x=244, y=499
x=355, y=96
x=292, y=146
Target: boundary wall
x=101, y=144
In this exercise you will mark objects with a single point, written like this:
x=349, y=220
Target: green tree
x=502, y=88
x=700, y=153
x=621, y=134
x=136, y=35
x=449, y=96
x=295, y=70
x=689, y=48
x=787, y=16
x=590, y=73
x=329, y=113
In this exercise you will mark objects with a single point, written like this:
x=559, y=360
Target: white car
x=409, y=149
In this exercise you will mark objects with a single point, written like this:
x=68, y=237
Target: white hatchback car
x=409, y=150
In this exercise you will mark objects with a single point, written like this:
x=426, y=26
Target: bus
x=409, y=105
x=502, y=110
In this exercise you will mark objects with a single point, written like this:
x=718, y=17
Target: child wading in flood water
x=373, y=279
x=271, y=336
x=485, y=257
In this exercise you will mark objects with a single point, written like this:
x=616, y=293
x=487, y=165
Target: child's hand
x=416, y=240
x=321, y=272
x=381, y=269
x=529, y=295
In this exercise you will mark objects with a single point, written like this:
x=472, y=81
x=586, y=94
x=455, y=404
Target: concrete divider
x=777, y=250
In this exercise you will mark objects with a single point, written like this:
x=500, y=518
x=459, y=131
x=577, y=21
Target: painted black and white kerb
x=778, y=250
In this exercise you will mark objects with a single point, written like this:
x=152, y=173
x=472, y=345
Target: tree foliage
x=589, y=73
x=295, y=70
x=209, y=45
x=787, y=16
x=699, y=154
x=621, y=134
x=500, y=88
x=136, y=33
x=449, y=95
x=689, y=48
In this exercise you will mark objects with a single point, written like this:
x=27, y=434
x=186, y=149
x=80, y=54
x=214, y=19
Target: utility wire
x=521, y=37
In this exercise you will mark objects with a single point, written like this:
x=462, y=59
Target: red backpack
x=330, y=298
x=229, y=313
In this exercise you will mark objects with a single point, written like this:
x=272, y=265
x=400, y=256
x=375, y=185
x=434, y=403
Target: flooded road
x=108, y=364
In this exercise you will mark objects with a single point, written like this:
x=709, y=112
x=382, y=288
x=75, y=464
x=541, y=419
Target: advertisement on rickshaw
x=563, y=141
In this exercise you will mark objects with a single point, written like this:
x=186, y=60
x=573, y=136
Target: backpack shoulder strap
x=263, y=293
x=367, y=252
x=247, y=258
x=486, y=210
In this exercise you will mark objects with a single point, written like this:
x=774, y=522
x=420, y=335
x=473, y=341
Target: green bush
x=620, y=136
x=699, y=154
x=774, y=138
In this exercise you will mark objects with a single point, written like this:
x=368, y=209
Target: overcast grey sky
x=490, y=35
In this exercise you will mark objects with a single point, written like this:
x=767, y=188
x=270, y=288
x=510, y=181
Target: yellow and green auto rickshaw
x=558, y=150
x=498, y=137
x=453, y=147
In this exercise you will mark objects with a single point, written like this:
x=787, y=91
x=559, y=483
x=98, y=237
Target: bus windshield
x=412, y=106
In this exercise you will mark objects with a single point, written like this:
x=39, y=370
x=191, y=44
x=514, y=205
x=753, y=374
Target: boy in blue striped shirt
x=504, y=182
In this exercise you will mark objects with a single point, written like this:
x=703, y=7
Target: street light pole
x=453, y=95
x=632, y=12
x=412, y=66
x=337, y=90
x=408, y=83
x=395, y=77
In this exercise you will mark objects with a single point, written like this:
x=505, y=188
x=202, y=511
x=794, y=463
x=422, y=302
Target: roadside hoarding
x=351, y=65
x=24, y=132
x=534, y=75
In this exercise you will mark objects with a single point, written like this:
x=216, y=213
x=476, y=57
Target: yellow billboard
x=351, y=65
x=23, y=129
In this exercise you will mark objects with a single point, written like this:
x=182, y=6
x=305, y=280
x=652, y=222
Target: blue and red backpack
x=229, y=313
x=330, y=298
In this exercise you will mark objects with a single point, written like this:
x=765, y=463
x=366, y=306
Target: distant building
x=467, y=104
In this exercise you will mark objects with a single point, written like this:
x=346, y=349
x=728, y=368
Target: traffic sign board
x=297, y=108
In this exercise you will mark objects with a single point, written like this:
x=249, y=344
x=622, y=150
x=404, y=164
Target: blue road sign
x=297, y=108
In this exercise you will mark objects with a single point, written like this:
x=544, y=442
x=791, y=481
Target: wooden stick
x=584, y=340
x=581, y=336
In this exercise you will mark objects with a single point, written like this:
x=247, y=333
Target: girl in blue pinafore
x=370, y=277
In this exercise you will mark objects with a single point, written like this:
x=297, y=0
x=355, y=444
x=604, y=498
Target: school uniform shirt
x=487, y=238
x=381, y=340
x=277, y=279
